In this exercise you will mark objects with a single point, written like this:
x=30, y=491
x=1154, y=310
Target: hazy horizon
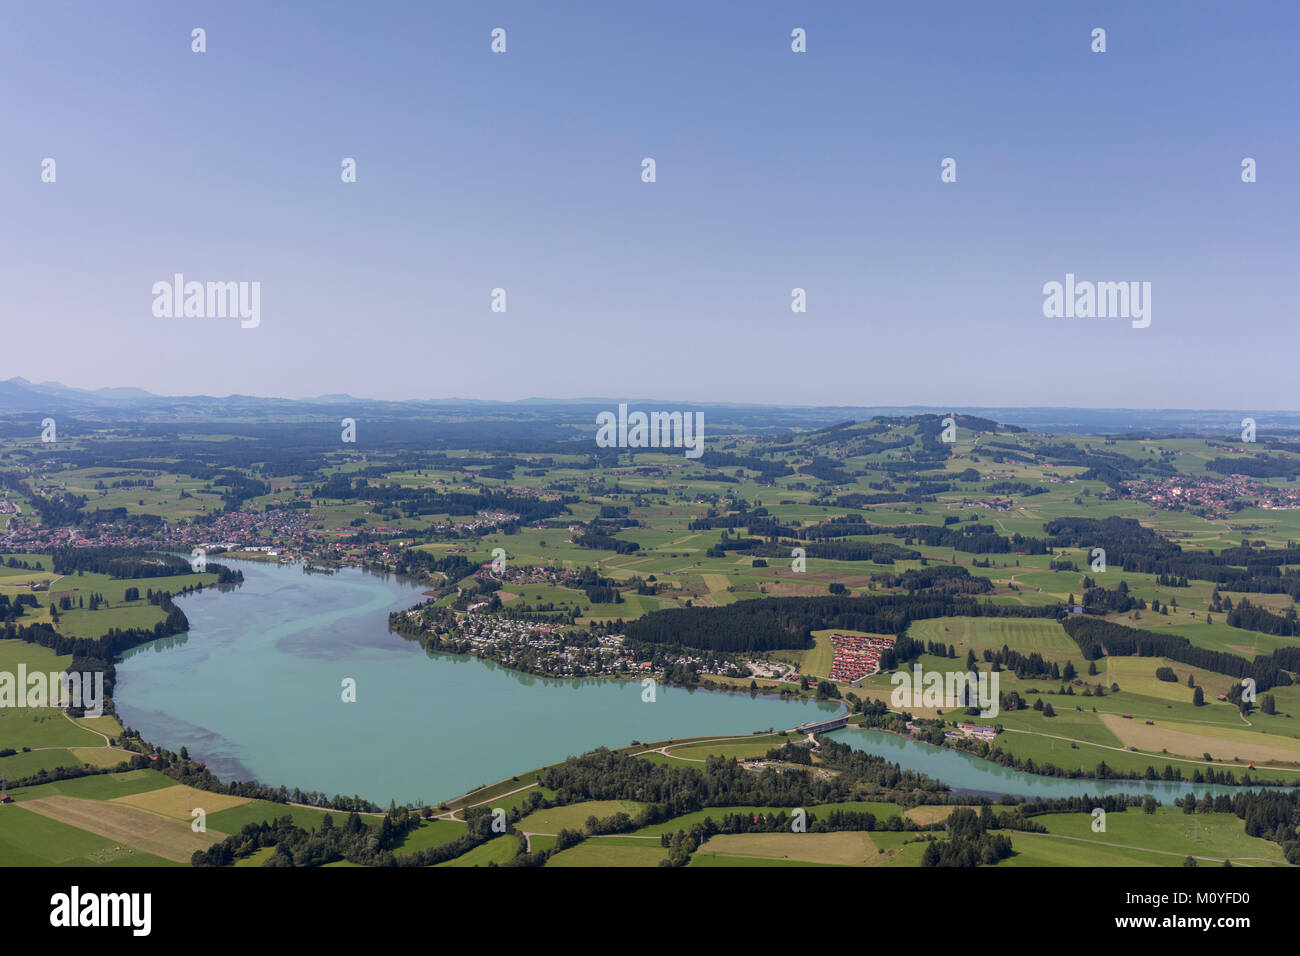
x=919, y=407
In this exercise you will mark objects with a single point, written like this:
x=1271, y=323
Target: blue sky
x=775, y=170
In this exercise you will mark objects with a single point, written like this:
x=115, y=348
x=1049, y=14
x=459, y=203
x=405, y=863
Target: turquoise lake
x=254, y=689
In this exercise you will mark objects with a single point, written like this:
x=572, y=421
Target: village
x=1212, y=497
x=536, y=648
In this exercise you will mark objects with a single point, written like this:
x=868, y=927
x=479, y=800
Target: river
x=967, y=773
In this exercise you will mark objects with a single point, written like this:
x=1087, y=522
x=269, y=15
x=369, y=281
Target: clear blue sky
x=775, y=170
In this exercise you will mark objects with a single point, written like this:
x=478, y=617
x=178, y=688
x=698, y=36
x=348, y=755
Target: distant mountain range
x=23, y=400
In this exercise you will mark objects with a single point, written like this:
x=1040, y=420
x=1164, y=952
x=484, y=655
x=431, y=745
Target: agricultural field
x=1034, y=849
x=430, y=833
x=981, y=634
x=1169, y=830
x=30, y=838
x=610, y=851
x=827, y=849
x=235, y=818
x=574, y=816
x=880, y=810
x=180, y=801
x=497, y=850
x=143, y=830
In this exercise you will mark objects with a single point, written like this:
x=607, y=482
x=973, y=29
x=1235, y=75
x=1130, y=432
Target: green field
x=430, y=833
x=258, y=811
x=1218, y=835
x=107, y=786
x=981, y=633
x=22, y=765
x=686, y=820
x=497, y=850
x=30, y=839
x=574, y=816
x=742, y=749
x=610, y=851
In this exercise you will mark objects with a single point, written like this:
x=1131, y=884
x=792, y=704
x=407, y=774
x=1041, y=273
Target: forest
x=772, y=623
